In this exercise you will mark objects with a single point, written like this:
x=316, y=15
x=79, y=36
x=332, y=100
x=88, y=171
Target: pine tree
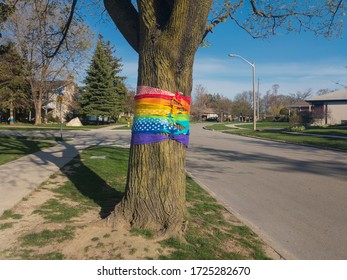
x=14, y=90
x=104, y=93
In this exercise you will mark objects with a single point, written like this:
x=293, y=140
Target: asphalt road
x=294, y=197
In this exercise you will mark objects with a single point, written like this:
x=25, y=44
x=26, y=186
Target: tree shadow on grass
x=91, y=185
x=86, y=184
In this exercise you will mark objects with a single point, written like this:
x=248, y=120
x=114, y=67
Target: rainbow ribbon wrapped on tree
x=160, y=115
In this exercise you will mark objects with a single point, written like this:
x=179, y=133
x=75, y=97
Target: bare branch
x=126, y=18
x=215, y=22
x=334, y=15
x=245, y=29
x=65, y=29
x=269, y=15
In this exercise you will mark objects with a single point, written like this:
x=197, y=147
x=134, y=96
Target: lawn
x=277, y=131
x=333, y=130
x=265, y=125
x=61, y=220
x=31, y=127
x=12, y=147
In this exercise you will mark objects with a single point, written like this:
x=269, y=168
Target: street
x=294, y=197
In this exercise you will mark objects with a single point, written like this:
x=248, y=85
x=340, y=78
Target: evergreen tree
x=14, y=90
x=104, y=93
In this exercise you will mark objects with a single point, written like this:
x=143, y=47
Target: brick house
x=330, y=108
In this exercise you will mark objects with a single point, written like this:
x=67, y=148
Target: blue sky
x=296, y=62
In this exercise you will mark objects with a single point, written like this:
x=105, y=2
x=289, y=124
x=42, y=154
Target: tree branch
x=245, y=29
x=65, y=29
x=126, y=18
x=215, y=22
x=266, y=15
x=334, y=14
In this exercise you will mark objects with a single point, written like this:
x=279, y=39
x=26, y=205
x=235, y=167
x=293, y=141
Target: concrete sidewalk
x=20, y=177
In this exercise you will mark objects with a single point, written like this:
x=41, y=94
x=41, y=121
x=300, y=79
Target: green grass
x=31, y=127
x=8, y=214
x=6, y=226
x=265, y=125
x=99, y=184
x=317, y=141
x=281, y=135
x=142, y=232
x=332, y=131
x=260, y=125
x=209, y=235
x=219, y=126
x=55, y=211
x=12, y=147
x=47, y=237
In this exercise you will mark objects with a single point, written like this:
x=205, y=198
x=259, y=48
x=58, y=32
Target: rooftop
x=332, y=96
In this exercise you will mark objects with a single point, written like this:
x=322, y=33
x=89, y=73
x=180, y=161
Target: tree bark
x=169, y=33
x=38, y=114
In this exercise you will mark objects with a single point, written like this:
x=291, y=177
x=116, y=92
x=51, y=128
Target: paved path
x=18, y=178
x=294, y=196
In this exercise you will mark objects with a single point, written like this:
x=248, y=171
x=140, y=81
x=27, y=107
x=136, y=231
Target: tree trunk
x=169, y=34
x=38, y=114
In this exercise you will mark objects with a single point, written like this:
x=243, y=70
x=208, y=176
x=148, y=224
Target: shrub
x=297, y=128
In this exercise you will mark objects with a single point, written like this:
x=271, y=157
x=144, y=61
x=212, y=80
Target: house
x=330, y=108
x=300, y=106
x=209, y=115
x=60, y=95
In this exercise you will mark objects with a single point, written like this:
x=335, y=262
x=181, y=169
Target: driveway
x=294, y=197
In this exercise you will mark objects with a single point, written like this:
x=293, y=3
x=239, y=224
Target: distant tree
x=129, y=107
x=301, y=95
x=5, y=11
x=14, y=90
x=221, y=105
x=200, y=102
x=273, y=102
x=37, y=28
x=323, y=91
x=203, y=101
x=242, y=104
x=105, y=91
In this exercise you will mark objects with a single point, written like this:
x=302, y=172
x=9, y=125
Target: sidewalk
x=20, y=177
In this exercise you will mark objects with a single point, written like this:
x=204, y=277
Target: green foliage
x=105, y=91
x=5, y=11
x=14, y=90
x=298, y=128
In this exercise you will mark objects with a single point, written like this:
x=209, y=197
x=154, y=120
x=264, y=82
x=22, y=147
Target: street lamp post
x=254, y=94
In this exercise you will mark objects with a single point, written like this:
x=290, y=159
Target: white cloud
x=231, y=77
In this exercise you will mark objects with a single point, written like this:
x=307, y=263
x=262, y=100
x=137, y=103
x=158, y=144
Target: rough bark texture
x=168, y=35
